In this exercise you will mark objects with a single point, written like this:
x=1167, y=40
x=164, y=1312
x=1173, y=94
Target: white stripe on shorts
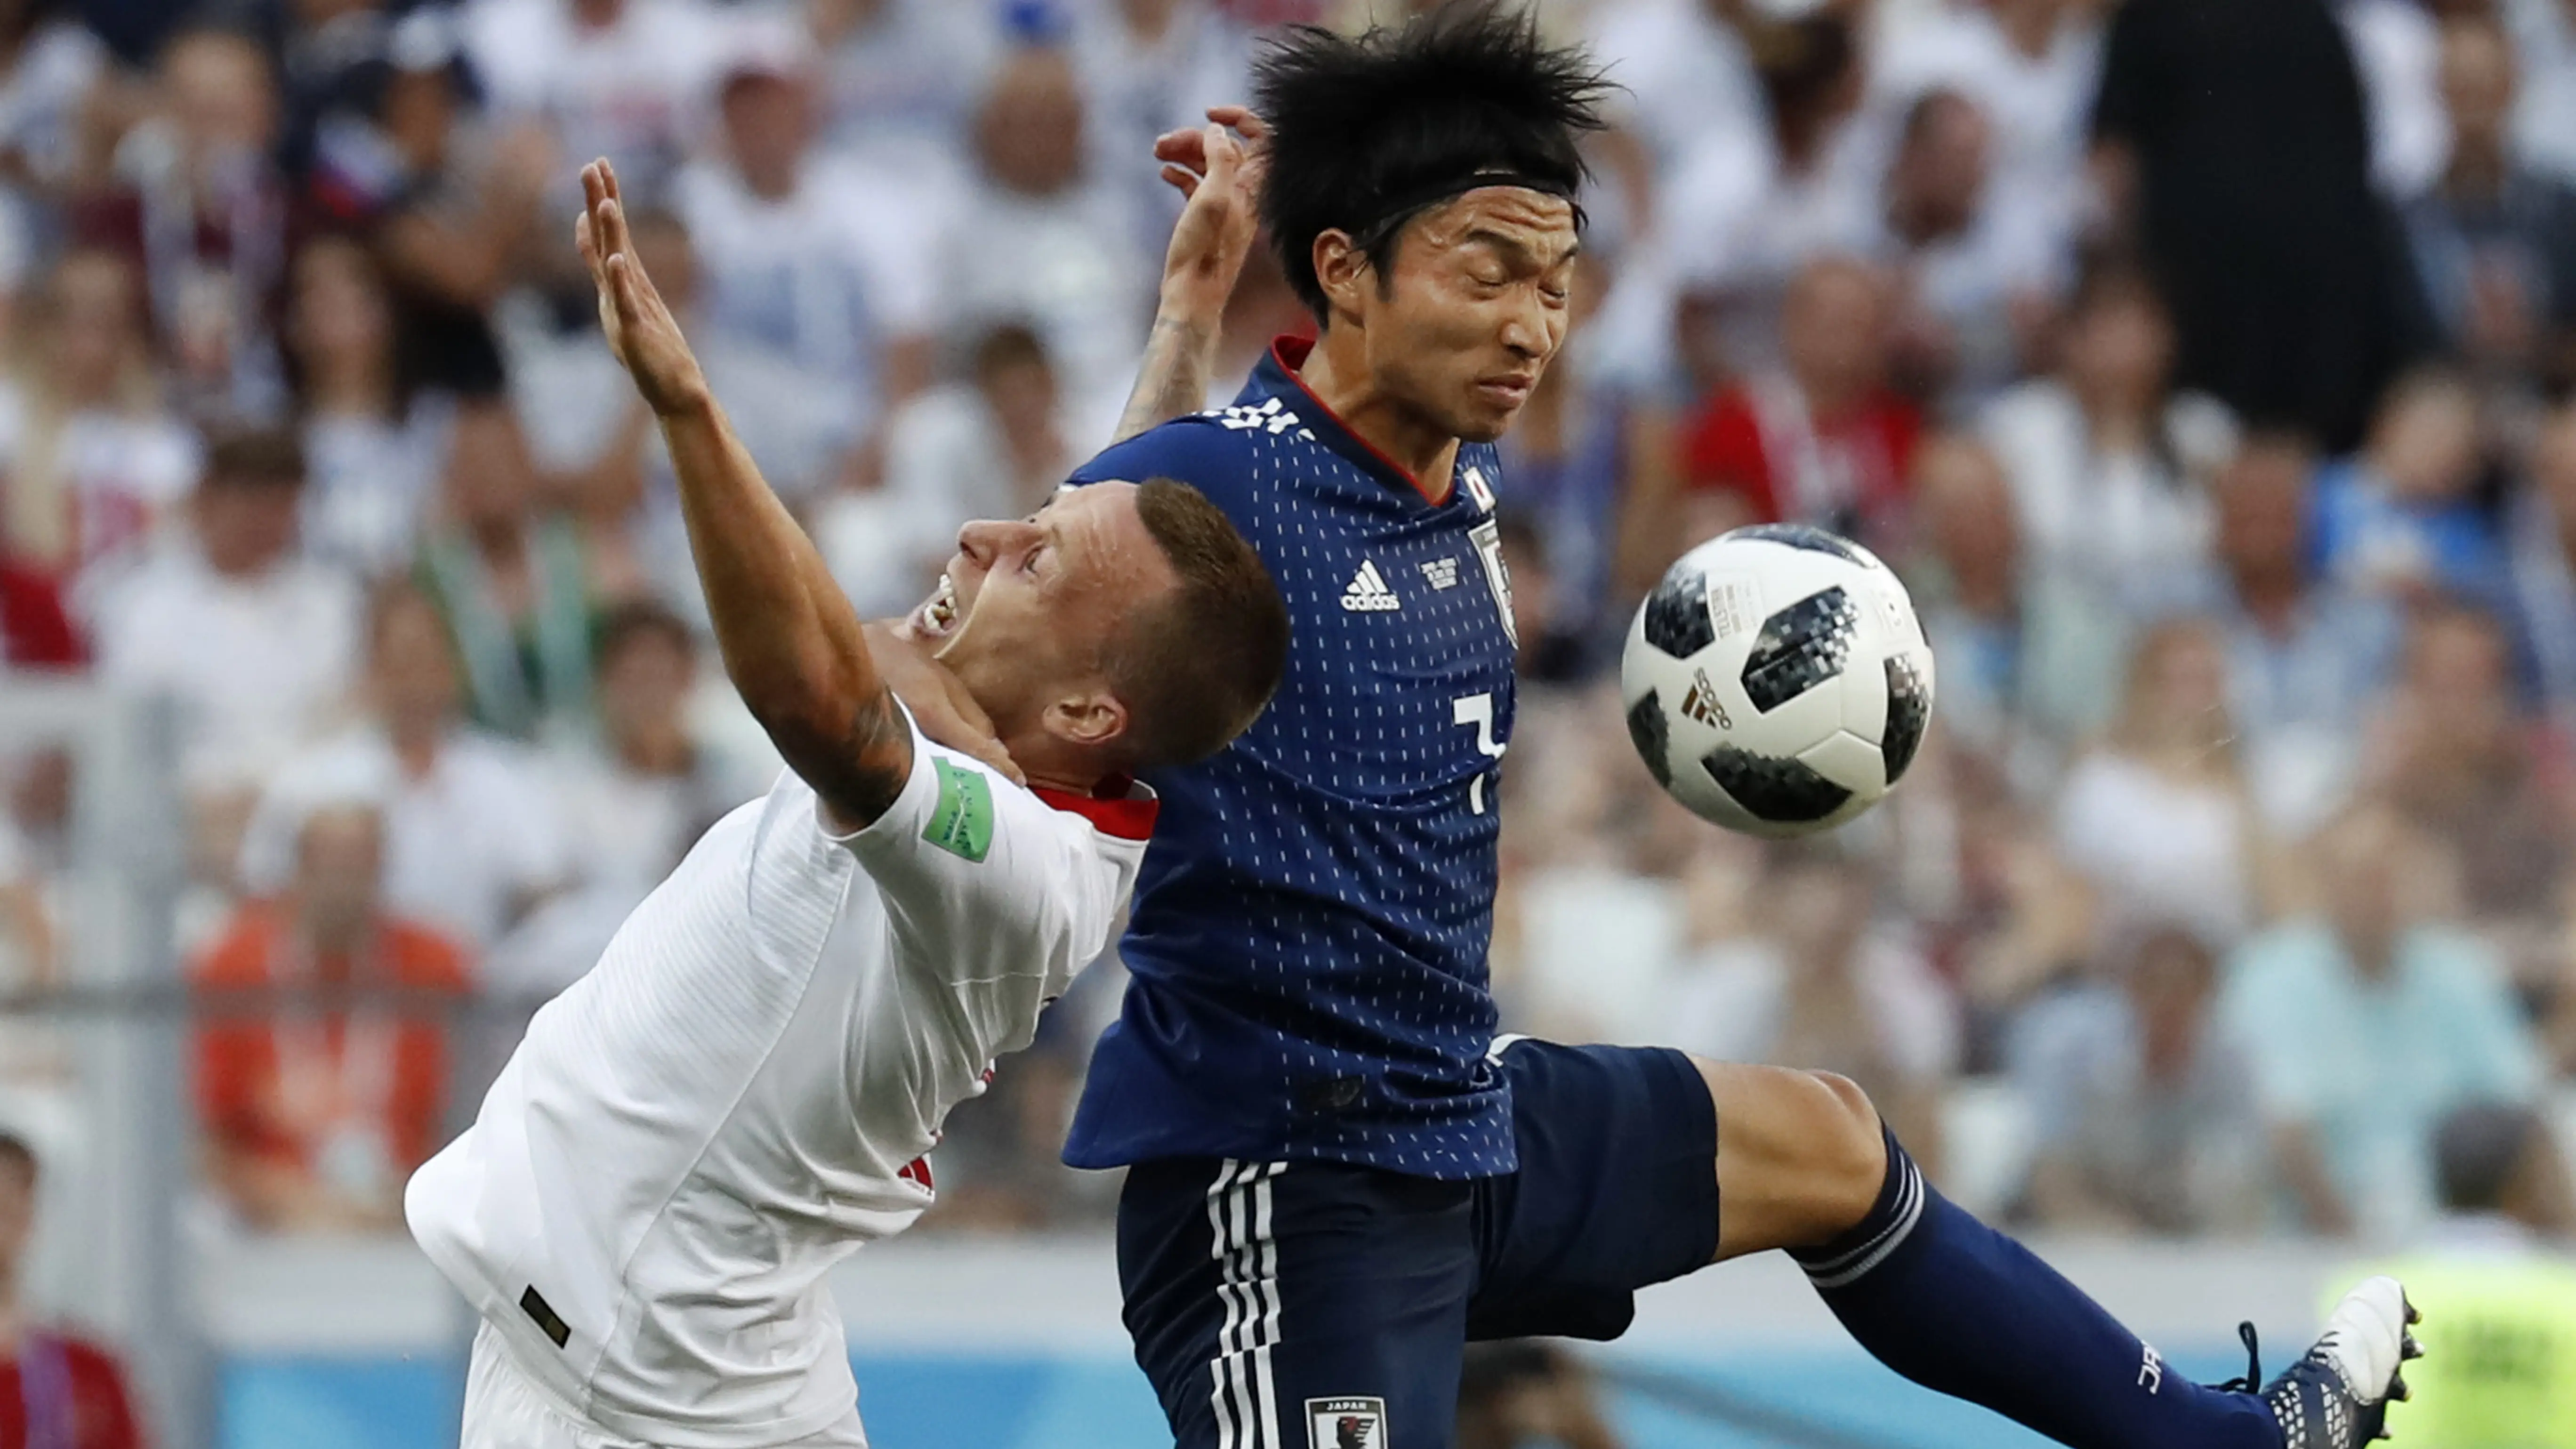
x=1245, y=1397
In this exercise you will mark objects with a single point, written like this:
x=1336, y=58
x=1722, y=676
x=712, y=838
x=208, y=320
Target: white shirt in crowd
x=1685, y=76
x=636, y=91
x=743, y=1090
x=2136, y=527
x=900, y=89
x=118, y=475
x=2157, y=850
x=1065, y=265
x=2037, y=108
x=370, y=482
x=824, y=278
x=466, y=845
x=256, y=665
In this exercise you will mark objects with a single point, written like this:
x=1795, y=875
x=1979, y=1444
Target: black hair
x=638, y=620
x=1368, y=131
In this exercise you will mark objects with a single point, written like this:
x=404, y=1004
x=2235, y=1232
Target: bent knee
x=1801, y=1155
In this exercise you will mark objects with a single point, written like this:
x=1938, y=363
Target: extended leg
x=1804, y=1164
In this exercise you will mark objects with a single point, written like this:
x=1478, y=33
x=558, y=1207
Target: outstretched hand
x=1220, y=167
x=642, y=334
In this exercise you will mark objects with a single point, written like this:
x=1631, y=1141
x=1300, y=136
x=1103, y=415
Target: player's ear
x=1091, y=717
x=1342, y=270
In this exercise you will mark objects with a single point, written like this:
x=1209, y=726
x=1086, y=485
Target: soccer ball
x=1777, y=681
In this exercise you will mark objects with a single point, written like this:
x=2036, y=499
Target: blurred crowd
x=2203, y=365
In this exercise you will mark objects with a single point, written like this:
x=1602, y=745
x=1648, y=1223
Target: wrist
x=688, y=401
x=1193, y=301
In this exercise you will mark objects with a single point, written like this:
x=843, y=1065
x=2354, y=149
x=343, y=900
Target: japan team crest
x=1346, y=1423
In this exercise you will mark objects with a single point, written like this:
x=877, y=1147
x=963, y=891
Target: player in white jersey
x=746, y=1085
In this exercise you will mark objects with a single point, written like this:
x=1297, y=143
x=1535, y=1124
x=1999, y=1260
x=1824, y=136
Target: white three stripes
x=1247, y=1403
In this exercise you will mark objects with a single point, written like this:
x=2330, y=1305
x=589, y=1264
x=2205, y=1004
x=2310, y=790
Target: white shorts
x=505, y=1409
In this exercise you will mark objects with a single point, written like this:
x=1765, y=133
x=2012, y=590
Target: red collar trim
x=1126, y=814
x=1291, y=354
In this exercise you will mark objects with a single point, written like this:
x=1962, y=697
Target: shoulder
x=1210, y=451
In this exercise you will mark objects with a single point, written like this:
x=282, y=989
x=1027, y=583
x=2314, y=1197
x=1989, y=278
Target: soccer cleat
x=2337, y=1397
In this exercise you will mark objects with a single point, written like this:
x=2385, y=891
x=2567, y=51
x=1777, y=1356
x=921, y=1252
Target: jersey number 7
x=1477, y=710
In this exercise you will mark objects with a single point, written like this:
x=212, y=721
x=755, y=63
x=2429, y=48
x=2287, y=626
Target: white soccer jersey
x=743, y=1090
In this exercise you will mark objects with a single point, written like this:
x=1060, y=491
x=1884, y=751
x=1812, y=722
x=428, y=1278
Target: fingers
x=1224, y=154
x=1182, y=179
x=992, y=753
x=1242, y=120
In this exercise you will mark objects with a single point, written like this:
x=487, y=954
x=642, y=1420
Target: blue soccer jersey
x=1310, y=927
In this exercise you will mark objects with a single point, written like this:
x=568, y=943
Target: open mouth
x=938, y=615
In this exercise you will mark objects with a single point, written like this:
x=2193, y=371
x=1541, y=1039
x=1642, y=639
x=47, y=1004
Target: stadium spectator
x=2030, y=65
x=2366, y=1023
x=57, y=1390
x=2455, y=753
x=1150, y=66
x=32, y=1052
x=1745, y=210
x=639, y=795
x=900, y=79
x=93, y=458
x=2305, y=661
x=2398, y=517
x=2544, y=120
x=2493, y=237
x=1971, y=278
x=1967, y=587
x=1822, y=440
x=630, y=80
x=51, y=66
x=2157, y=815
x=473, y=834
x=2108, y=459
x=990, y=446
x=825, y=265
x=372, y=452
x=196, y=202
x=322, y=1057
x=451, y=214
x=255, y=644
x=2144, y=1111
x=511, y=579
x=2233, y=140
x=2501, y=1365
x=1039, y=240
x=1828, y=985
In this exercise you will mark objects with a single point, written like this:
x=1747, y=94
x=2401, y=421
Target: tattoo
x=861, y=769
x=1173, y=378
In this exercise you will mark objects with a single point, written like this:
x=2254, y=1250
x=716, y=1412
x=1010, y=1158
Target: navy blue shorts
x=1314, y=1305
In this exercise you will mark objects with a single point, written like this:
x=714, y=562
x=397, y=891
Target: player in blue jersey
x=1338, y=1175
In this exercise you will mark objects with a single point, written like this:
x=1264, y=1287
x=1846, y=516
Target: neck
x=2027, y=27
x=2116, y=418
x=2373, y=954
x=1336, y=372
x=500, y=540
x=1987, y=593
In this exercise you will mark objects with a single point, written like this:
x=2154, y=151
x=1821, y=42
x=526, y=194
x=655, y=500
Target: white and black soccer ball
x=1777, y=681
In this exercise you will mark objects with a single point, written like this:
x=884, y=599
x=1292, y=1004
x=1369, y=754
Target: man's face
x=644, y=686
x=340, y=864
x=1941, y=173
x=768, y=120
x=415, y=671
x=246, y=526
x=1028, y=609
x=1833, y=327
x=2263, y=512
x=1478, y=303
x=2477, y=80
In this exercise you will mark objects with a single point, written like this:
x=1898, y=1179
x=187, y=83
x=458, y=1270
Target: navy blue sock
x=1958, y=1307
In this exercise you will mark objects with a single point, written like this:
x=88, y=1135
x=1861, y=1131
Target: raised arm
x=790, y=641
x=1219, y=167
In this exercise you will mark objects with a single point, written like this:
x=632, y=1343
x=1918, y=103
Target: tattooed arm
x=791, y=643
x=1219, y=168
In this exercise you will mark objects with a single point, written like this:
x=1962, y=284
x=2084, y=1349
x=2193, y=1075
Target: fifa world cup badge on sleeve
x=963, y=823
x=1346, y=1423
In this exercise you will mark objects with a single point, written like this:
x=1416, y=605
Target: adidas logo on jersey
x=1368, y=593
